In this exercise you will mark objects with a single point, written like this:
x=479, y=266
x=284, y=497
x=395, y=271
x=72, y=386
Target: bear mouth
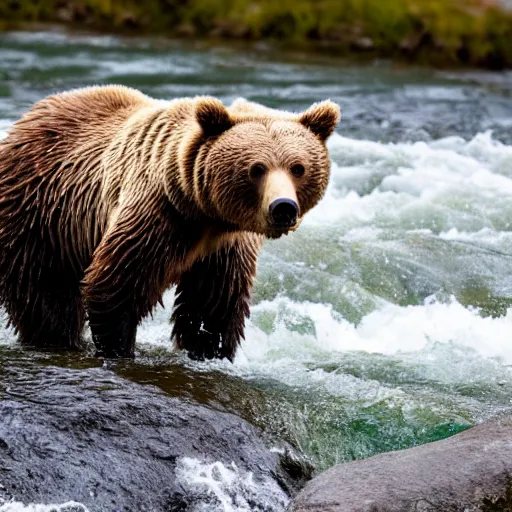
x=277, y=233
x=274, y=231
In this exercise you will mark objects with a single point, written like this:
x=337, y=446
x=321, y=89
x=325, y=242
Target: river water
x=386, y=320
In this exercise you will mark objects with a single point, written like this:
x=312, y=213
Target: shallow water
x=385, y=321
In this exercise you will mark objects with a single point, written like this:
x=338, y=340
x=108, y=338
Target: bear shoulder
x=99, y=99
x=84, y=111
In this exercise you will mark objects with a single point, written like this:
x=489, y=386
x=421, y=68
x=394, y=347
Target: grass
x=438, y=32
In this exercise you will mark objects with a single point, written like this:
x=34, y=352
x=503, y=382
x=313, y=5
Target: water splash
x=16, y=506
x=216, y=487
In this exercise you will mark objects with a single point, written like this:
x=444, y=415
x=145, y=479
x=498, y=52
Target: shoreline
x=476, y=36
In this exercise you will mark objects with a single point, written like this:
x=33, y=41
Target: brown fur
x=108, y=197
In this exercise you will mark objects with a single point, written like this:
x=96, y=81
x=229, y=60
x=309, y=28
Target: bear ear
x=212, y=116
x=321, y=118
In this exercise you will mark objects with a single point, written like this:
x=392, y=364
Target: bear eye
x=298, y=170
x=257, y=171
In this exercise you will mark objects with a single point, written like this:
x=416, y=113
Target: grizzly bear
x=109, y=197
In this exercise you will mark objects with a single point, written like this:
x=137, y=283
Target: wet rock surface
x=90, y=436
x=469, y=472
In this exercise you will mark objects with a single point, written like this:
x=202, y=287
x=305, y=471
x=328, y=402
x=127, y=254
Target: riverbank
x=441, y=33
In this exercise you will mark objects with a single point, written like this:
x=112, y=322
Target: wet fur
x=105, y=203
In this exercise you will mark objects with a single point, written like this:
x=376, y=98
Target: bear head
x=261, y=169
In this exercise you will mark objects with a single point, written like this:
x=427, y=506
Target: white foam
x=487, y=236
x=450, y=172
x=291, y=341
x=16, y=506
x=4, y=125
x=215, y=487
x=171, y=65
x=286, y=354
x=55, y=38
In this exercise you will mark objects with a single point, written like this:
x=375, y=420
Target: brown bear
x=109, y=197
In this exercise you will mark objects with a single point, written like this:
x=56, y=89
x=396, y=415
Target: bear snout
x=280, y=205
x=283, y=213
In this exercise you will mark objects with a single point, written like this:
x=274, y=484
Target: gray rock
x=91, y=437
x=469, y=472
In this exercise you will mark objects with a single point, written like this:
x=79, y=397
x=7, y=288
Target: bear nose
x=283, y=212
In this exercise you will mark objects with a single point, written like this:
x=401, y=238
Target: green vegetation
x=438, y=32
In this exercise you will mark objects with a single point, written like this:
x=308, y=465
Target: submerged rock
x=471, y=471
x=92, y=437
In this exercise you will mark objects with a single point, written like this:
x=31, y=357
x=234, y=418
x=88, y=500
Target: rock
x=82, y=13
x=185, y=30
x=413, y=43
x=91, y=437
x=129, y=19
x=230, y=29
x=469, y=472
x=64, y=14
x=363, y=44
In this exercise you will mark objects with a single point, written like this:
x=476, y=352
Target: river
x=386, y=320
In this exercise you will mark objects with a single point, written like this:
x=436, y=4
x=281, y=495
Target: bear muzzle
x=283, y=213
x=282, y=210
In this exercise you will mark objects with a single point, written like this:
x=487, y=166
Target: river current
x=386, y=320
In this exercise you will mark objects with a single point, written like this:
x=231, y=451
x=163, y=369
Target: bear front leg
x=125, y=279
x=212, y=301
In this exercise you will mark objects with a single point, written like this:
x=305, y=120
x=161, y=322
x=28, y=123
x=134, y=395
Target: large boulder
x=469, y=472
x=111, y=445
